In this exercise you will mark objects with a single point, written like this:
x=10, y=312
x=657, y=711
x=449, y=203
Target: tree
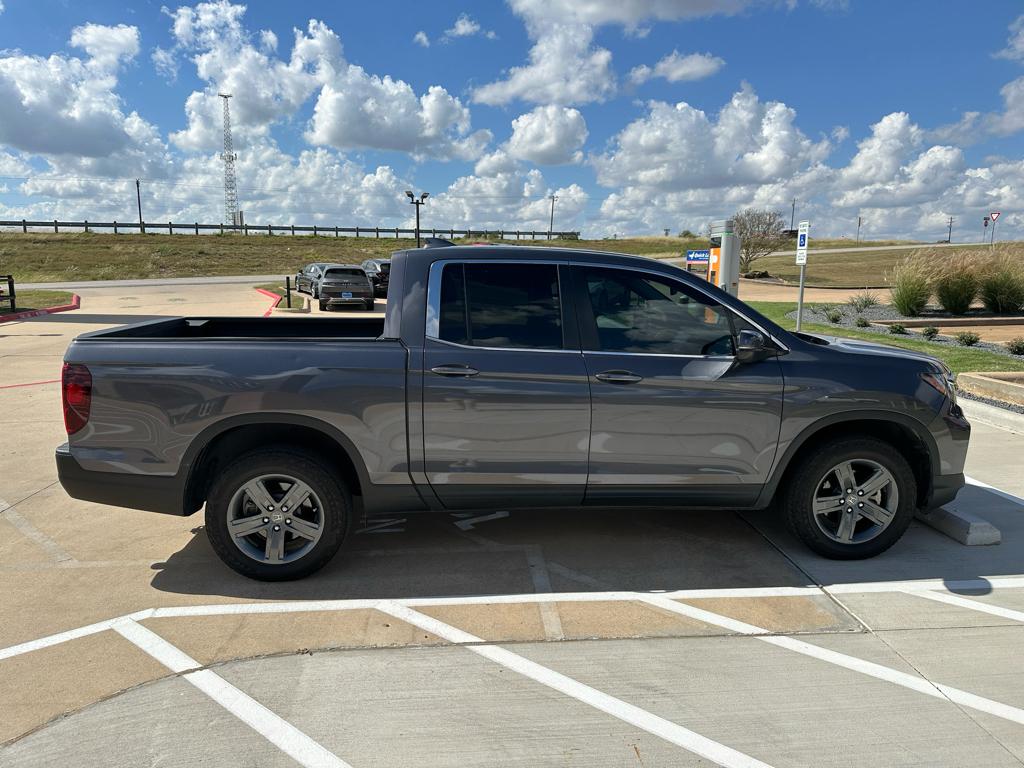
x=760, y=233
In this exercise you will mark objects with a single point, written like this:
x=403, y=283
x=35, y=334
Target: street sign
x=698, y=257
x=801, y=242
x=995, y=215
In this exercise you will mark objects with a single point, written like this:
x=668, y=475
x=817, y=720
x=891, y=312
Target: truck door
x=675, y=416
x=506, y=401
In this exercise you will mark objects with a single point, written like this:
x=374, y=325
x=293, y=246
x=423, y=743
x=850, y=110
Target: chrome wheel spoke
x=847, y=525
x=257, y=491
x=875, y=483
x=274, y=550
x=303, y=528
x=297, y=494
x=246, y=526
x=878, y=515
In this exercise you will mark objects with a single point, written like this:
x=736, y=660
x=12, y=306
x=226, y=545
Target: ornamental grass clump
x=1001, y=283
x=910, y=282
x=956, y=283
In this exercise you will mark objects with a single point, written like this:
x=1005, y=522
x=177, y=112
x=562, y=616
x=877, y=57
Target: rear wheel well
x=232, y=443
x=901, y=437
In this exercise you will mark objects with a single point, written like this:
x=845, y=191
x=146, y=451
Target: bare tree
x=760, y=233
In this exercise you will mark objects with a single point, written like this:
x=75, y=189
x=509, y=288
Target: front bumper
x=151, y=493
x=944, y=490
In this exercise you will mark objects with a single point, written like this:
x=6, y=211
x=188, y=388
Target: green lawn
x=959, y=359
x=28, y=300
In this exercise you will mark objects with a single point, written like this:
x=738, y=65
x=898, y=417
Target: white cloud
x=549, y=135
x=1015, y=43
x=627, y=13
x=880, y=156
x=64, y=104
x=677, y=68
x=165, y=63
x=268, y=41
x=465, y=26
x=420, y=38
x=563, y=69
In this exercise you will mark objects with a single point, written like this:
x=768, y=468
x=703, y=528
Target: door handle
x=454, y=370
x=618, y=377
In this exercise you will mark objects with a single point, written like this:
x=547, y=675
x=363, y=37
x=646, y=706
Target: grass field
x=93, y=256
x=28, y=300
x=959, y=359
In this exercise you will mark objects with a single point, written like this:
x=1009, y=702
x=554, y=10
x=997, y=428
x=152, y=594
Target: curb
x=76, y=303
x=993, y=416
x=276, y=297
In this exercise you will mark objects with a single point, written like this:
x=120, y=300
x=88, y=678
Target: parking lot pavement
x=590, y=638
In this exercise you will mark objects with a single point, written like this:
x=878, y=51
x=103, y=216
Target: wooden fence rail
x=118, y=227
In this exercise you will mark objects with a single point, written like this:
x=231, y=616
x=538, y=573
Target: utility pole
x=792, y=214
x=859, y=222
x=551, y=224
x=666, y=231
x=138, y=199
x=417, y=202
x=229, y=157
x=950, y=238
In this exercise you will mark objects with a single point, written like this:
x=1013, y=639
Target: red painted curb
x=29, y=384
x=275, y=296
x=76, y=303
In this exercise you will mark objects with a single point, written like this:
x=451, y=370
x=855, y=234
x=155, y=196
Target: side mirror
x=752, y=346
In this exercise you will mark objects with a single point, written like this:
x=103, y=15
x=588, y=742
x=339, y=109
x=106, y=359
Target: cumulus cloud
x=677, y=68
x=549, y=135
x=1015, y=43
x=465, y=26
x=353, y=109
x=65, y=104
x=420, y=38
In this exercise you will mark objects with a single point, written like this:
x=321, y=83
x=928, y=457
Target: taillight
x=76, y=393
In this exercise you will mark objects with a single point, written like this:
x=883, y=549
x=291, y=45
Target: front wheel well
x=234, y=442
x=901, y=437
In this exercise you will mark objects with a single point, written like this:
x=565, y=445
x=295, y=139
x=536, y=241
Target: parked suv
x=507, y=377
x=379, y=272
x=308, y=279
x=344, y=285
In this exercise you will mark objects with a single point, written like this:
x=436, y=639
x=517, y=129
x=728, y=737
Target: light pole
x=417, y=202
x=792, y=214
x=551, y=223
x=138, y=199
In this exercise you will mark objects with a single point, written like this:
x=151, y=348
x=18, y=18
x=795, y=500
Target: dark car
x=507, y=377
x=379, y=272
x=344, y=285
x=308, y=279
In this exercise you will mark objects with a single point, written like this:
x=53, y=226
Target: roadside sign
x=801, y=242
x=698, y=257
x=995, y=215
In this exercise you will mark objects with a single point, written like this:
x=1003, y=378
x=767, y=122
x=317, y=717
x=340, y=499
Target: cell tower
x=229, y=157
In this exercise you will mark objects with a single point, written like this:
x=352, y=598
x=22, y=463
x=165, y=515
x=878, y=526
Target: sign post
x=801, y=260
x=995, y=216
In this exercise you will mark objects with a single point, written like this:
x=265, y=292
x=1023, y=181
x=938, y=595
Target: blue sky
x=903, y=113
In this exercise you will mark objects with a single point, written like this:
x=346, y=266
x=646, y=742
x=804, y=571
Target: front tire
x=278, y=515
x=852, y=498
x=323, y=306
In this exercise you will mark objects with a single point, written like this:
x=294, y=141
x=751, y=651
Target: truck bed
x=198, y=328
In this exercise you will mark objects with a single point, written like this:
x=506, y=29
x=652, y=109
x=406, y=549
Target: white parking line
x=29, y=531
x=1005, y=494
x=878, y=671
x=270, y=726
x=641, y=718
x=973, y=605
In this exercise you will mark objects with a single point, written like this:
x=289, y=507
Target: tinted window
x=641, y=313
x=501, y=305
x=345, y=273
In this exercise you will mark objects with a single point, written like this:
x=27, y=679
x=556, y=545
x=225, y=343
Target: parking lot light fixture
x=417, y=202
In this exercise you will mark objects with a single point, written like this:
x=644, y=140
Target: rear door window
x=516, y=306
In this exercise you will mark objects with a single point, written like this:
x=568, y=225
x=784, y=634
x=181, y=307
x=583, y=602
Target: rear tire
x=368, y=306
x=291, y=543
x=857, y=521
x=323, y=306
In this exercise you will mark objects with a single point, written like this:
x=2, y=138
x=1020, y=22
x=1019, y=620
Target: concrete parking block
x=961, y=525
x=781, y=707
x=211, y=639
x=39, y=686
x=167, y=723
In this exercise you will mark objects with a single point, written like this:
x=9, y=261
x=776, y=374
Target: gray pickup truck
x=507, y=377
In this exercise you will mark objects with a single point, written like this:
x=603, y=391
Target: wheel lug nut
x=861, y=505
x=849, y=490
x=860, y=493
x=284, y=509
x=849, y=509
x=266, y=519
x=277, y=527
x=288, y=521
x=270, y=507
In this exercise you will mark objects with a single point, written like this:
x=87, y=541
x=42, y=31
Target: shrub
x=910, y=282
x=1001, y=286
x=898, y=329
x=834, y=316
x=862, y=322
x=967, y=338
x=956, y=284
x=929, y=332
x=1016, y=346
x=863, y=300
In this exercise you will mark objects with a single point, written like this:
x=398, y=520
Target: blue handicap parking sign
x=803, y=240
